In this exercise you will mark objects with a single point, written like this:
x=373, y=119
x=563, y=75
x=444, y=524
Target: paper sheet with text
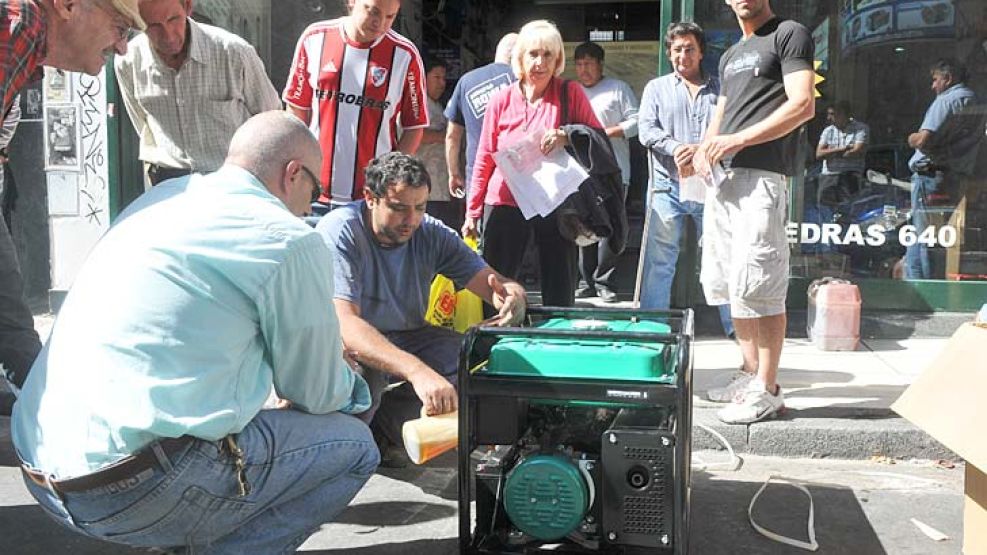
x=538, y=182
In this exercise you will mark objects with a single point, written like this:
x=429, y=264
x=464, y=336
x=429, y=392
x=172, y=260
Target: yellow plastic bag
x=448, y=308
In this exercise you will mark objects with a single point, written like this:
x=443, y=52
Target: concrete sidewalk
x=838, y=403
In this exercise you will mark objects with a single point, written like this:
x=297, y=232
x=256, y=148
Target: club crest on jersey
x=378, y=75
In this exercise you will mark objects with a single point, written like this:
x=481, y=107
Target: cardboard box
x=948, y=402
x=975, y=511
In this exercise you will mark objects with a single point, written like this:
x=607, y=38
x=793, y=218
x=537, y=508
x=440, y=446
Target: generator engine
x=591, y=477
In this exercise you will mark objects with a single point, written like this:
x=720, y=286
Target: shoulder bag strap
x=564, y=103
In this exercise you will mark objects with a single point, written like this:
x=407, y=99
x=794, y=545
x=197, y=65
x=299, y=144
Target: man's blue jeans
x=668, y=215
x=917, y=263
x=303, y=469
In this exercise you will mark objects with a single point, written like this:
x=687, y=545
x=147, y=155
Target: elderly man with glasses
x=74, y=35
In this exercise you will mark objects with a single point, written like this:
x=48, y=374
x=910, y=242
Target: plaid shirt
x=23, y=34
x=186, y=118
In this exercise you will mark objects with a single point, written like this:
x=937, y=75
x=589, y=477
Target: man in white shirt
x=187, y=88
x=616, y=107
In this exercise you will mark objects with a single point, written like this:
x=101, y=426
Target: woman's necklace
x=531, y=105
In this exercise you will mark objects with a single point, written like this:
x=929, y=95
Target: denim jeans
x=303, y=470
x=19, y=343
x=668, y=215
x=917, y=263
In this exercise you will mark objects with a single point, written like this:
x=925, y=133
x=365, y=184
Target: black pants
x=436, y=347
x=597, y=262
x=505, y=236
x=156, y=174
x=19, y=343
x=451, y=212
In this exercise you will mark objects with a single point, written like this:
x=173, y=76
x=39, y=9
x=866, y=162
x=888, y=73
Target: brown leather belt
x=121, y=470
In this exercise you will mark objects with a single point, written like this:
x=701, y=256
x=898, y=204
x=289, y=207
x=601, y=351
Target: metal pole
x=644, y=235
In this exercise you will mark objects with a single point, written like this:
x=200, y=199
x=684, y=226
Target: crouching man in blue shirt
x=386, y=252
x=141, y=423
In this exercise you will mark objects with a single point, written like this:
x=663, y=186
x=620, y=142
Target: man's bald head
x=505, y=47
x=272, y=145
x=265, y=142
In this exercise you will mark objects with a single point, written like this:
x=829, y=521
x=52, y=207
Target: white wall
x=78, y=200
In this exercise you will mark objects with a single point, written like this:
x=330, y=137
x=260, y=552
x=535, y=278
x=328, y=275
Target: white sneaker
x=753, y=404
x=725, y=394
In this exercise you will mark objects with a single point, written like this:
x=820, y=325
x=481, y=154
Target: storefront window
x=885, y=211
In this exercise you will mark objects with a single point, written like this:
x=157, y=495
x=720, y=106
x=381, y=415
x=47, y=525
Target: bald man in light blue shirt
x=145, y=403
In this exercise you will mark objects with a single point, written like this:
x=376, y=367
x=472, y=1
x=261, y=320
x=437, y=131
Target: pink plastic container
x=834, y=314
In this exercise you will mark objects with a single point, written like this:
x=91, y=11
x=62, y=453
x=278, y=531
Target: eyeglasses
x=316, y=184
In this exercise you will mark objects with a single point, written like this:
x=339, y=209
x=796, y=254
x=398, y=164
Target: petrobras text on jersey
x=355, y=99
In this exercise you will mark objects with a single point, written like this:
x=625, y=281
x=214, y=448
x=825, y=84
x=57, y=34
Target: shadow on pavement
x=447, y=546
x=394, y=513
x=720, y=524
x=27, y=530
x=436, y=477
x=847, y=408
x=792, y=379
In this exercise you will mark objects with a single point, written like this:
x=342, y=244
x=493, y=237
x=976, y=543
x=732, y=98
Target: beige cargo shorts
x=745, y=246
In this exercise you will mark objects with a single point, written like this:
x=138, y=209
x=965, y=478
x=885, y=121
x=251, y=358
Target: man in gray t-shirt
x=386, y=252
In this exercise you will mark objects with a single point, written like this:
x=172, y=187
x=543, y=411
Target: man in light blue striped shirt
x=141, y=420
x=675, y=111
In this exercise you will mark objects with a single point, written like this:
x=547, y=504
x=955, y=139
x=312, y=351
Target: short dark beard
x=752, y=13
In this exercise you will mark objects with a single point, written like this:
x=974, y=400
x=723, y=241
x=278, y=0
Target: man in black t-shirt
x=766, y=95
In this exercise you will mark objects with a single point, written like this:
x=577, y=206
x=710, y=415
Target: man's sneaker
x=607, y=295
x=737, y=383
x=753, y=404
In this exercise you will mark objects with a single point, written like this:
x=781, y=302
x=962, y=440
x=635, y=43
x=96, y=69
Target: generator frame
x=675, y=397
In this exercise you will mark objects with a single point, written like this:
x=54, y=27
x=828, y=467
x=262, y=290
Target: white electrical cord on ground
x=733, y=463
x=812, y=544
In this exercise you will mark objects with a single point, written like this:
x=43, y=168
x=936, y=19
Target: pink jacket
x=509, y=118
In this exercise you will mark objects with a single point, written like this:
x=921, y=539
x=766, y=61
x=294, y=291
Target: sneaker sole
x=766, y=416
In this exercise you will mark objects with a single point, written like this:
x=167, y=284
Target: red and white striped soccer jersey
x=359, y=94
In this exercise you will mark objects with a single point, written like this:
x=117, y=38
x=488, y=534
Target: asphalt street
x=861, y=508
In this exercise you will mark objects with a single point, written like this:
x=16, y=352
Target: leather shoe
x=607, y=295
x=585, y=292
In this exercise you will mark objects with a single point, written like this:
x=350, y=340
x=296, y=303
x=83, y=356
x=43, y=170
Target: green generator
x=574, y=433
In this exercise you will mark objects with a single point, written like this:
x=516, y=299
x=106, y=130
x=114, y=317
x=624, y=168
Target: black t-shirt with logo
x=751, y=79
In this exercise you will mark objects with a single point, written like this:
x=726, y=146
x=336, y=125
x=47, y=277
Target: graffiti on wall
x=93, y=191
